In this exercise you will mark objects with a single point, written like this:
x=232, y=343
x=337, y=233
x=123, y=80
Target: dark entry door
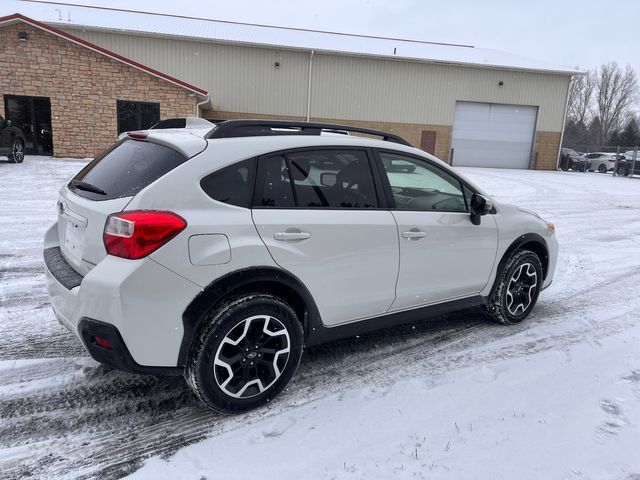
x=32, y=115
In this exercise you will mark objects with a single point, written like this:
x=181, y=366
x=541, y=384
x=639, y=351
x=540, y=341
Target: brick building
x=115, y=70
x=71, y=98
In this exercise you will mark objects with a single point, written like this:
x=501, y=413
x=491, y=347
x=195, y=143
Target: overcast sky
x=584, y=33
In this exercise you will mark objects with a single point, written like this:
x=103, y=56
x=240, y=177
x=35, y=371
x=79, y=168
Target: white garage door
x=492, y=135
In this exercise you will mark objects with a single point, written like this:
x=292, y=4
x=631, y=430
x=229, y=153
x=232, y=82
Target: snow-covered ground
x=461, y=397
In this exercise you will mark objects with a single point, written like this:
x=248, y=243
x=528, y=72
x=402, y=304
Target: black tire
x=602, y=168
x=17, y=151
x=623, y=170
x=243, y=320
x=505, y=294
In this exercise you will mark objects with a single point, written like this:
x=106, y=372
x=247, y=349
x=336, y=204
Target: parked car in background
x=626, y=165
x=572, y=160
x=11, y=141
x=601, y=161
x=221, y=257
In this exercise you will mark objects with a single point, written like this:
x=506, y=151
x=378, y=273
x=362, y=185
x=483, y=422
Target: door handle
x=290, y=236
x=413, y=234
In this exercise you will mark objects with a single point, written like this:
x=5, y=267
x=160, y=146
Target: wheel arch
x=266, y=280
x=528, y=241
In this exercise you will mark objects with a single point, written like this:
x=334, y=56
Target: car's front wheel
x=246, y=354
x=517, y=288
x=17, y=151
x=623, y=170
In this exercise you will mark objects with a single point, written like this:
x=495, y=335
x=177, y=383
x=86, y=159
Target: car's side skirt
x=319, y=333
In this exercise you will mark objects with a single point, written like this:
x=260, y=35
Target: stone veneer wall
x=83, y=86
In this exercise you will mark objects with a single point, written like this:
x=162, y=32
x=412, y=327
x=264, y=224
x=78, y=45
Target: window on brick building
x=137, y=115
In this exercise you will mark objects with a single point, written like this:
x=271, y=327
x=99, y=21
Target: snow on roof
x=104, y=18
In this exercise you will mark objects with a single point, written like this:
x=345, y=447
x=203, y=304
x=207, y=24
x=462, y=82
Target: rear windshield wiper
x=87, y=187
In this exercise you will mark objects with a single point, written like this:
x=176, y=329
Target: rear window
x=125, y=169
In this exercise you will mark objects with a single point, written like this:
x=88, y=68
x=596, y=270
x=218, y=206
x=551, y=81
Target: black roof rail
x=256, y=128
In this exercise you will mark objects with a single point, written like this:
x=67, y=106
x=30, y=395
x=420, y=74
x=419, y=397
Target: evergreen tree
x=630, y=136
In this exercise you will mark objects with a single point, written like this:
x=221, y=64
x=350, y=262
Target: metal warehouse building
x=80, y=75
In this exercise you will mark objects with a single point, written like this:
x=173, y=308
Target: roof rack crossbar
x=254, y=128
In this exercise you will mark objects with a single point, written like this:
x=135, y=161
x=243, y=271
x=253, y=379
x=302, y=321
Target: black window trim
x=378, y=187
x=391, y=202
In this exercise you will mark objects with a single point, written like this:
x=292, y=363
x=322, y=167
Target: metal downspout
x=199, y=104
x=309, y=85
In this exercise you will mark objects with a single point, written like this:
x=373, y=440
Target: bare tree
x=615, y=95
x=581, y=92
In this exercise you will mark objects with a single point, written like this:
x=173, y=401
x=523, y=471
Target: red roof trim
x=103, y=51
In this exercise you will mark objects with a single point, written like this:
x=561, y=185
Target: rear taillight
x=136, y=234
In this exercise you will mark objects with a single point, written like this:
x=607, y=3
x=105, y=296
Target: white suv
x=221, y=257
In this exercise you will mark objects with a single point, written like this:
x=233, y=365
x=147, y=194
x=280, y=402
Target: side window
x=316, y=179
x=273, y=188
x=231, y=184
x=417, y=185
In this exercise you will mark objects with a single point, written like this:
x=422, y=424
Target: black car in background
x=626, y=164
x=570, y=159
x=11, y=141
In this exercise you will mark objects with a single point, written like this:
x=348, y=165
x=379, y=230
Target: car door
x=443, y=256
x=319, y=214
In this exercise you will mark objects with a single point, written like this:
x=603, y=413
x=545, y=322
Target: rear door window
x=331, y=178
x=125, y=169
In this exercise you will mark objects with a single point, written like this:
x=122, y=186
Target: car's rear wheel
x=517, y=288
x=17, y=151
x=623, y=170
x=602, y=169
x=246, y=354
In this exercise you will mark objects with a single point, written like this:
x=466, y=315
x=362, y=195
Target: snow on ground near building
x=555, y=397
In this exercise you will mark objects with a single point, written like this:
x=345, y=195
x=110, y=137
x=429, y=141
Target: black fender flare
x=536, y=243
x=255, y=279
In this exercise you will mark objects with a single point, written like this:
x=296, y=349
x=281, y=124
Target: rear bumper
x=118, y=356
x=141, y=300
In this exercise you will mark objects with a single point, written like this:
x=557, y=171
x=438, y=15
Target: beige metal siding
x=240, y=79
x=244, y=79
x=394, y=91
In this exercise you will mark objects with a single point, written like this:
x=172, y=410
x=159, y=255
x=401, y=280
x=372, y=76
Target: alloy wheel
x=521, y=288
x=18, y=152
x=252, y=356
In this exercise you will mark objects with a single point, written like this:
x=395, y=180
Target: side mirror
x=480, y=206
x=328, y=179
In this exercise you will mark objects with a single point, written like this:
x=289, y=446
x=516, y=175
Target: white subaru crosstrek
x=221, y=256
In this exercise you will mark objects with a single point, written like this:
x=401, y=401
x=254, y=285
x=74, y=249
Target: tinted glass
x=149, y=115
x=127, y=117
x=417, y=185
x=125, y=169
x=332, y=179
x=232, y=184
x=137, y=115
x=273, y=188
